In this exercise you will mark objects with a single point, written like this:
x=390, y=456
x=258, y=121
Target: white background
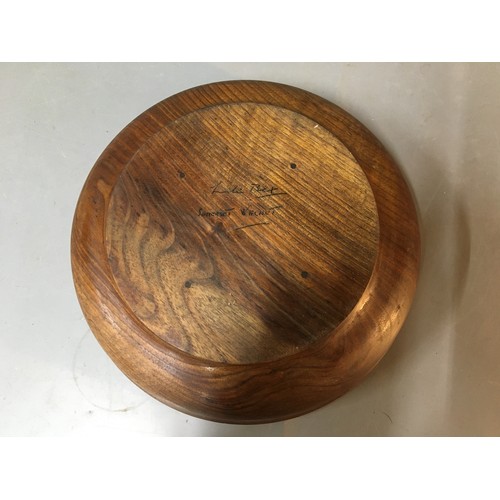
x=441, y=123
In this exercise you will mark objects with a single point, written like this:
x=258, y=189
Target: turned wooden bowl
x=245, y=251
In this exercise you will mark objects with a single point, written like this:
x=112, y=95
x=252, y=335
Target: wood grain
x=245, y=251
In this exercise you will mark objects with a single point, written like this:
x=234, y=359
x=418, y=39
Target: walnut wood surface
x=245, y=251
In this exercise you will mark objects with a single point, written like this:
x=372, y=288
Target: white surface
x=440, y=122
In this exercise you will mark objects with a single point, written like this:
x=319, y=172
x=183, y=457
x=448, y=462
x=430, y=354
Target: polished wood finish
x=245, y=251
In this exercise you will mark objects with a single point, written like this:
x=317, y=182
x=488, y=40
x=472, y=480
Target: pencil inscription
x=252, y=211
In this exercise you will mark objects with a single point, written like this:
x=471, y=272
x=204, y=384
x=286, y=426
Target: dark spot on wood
x=304, y=274
x=182, y=174
x=188, y=284
x=293, y=165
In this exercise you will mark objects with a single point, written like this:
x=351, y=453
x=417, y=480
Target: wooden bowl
x=245, y=251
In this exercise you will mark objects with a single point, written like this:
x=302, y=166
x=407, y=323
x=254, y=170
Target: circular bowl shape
x=245, y=251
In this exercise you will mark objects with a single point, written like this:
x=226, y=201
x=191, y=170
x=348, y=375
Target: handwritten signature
x=226, y=212
x=258, y=190
x=244, y=211
x=247, y=211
